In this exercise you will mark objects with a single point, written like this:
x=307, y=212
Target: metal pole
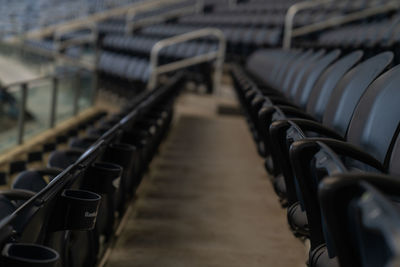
x=53, y=106
x=153, y=67
x=95, y=87
x=219, y=65
x=95, y=74
x=21, y=113
x=130, y=22
x=77, y=93
x=199, y=6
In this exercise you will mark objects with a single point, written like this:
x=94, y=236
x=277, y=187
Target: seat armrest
x=389, y=185
x=301, y=155
x=316, y=127
x=282, y=133
x=268, y=114
x=339, y=147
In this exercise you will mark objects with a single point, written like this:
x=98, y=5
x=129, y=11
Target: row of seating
x=234, y=20
x=381, y=33
x=127, y=58
x=118, y=25
x=283, y=6
x=124, y=67
x=327, y=124
x=267, y=15
x=20, y=17
x=240, y=39
x=65, y=214
x=256, y=7
x=142, y=45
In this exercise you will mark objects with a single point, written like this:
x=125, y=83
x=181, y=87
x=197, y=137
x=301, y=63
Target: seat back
x=279, y=76
x=6, y=207
x=261, y=64
x=62, y=159
x=291, y=70
x=29, y=180
x=302, y=94
x=300, y=73
x=377, y=115
x=345, y=97
x=321, y=92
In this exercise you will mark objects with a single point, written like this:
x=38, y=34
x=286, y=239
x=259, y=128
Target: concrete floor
x=207, y=200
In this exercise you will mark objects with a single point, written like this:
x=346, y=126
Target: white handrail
x=219, y=56
x=292, y=12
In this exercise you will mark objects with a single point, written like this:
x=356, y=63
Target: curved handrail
x=219, y=56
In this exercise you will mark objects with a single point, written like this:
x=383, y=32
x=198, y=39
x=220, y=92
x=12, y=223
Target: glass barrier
x=9, y=117
x=38, y=103
x=44, y=81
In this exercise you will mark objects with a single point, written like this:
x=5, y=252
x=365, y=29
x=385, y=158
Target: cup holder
x=76, y=210
x=120, y=153
x=104, y=177
x=28, y=255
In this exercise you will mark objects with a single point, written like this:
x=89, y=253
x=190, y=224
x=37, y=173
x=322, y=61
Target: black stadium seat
x=324, y=116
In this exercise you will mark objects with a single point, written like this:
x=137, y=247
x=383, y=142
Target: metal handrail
x=219, y=56
x=60, y=57
x=92, y=37
x=292, y=12
x=329, y=23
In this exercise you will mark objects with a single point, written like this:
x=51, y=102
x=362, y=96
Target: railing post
x=219, y=65
x=199, y=6
x=53, y=106
x=95, y=73
x=152, y=83
x=21, y=113
x=95, y=87
x=77, y=85
x=129, y=22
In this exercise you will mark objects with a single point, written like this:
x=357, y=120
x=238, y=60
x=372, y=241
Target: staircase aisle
x=207, y=200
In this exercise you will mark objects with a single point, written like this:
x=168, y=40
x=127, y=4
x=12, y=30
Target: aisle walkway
x=207, y=200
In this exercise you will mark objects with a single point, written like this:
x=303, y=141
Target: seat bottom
x=269, y=165
x=319, y=257
x=280, y=186
x=297, y=219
